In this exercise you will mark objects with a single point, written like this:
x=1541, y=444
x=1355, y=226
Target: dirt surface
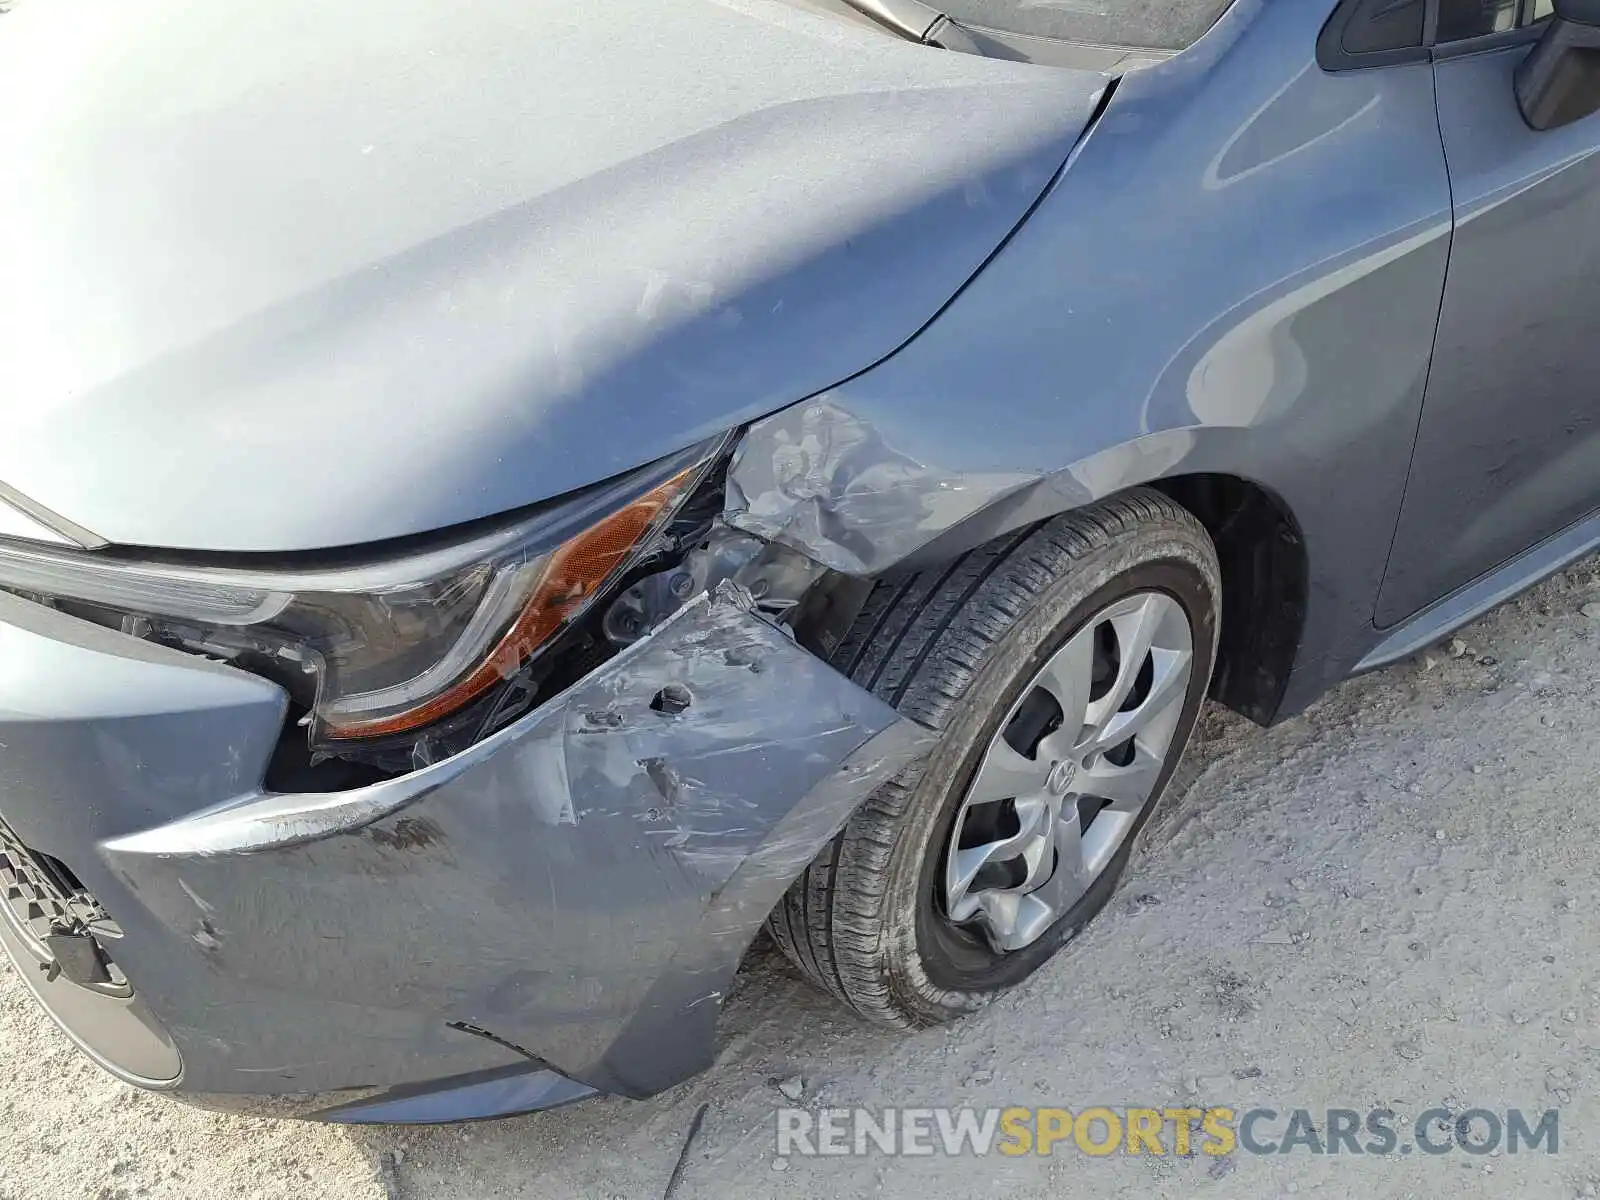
x=1386, y=902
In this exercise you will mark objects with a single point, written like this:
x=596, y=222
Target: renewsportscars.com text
x=1102, y=1130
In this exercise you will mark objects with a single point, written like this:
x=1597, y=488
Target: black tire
x=952, y=648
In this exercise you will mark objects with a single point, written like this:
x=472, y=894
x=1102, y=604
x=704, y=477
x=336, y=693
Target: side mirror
x=1559, y=81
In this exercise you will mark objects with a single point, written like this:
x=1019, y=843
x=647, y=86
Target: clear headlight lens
x=385, y=647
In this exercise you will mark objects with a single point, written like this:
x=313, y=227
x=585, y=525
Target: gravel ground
x=1386, y=902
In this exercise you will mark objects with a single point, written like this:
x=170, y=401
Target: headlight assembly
x=391, y=645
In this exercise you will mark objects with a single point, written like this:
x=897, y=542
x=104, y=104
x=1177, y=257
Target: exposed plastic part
x=648, y=602
x=776, y=577
x=77, y=985
x=1264, y=584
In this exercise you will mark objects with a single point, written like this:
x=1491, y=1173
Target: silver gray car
x=499, y=505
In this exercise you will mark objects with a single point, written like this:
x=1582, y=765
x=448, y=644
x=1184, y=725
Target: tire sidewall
x=936, y=970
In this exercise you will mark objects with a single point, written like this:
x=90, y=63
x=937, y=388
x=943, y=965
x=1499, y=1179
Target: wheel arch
x=1265, y=582
x=1260, y=546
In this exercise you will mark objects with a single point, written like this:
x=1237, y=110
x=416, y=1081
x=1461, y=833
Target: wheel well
x=1264, y=584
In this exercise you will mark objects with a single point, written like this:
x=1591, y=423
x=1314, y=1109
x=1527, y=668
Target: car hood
x=301, y=275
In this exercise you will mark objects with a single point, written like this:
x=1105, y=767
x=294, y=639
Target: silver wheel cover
x=1061, y=786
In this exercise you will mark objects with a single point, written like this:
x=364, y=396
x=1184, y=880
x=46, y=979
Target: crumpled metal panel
x=581, y=885
x=820, y=479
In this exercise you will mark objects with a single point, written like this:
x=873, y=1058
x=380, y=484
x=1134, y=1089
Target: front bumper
x=557, y=910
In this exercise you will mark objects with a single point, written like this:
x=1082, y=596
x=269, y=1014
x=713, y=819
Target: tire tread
x=918, y=643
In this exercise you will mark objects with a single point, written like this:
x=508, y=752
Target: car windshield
x=1157, y=24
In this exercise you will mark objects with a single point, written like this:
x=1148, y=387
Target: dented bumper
x=557, y=910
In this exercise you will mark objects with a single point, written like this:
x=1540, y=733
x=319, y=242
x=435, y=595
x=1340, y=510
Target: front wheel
x=1064, y=668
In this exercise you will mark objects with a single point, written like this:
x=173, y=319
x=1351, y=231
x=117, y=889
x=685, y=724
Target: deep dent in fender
x=826, y=482
x=819, y=479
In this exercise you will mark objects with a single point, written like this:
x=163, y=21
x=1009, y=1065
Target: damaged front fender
x=819, y=479
x=826, y=482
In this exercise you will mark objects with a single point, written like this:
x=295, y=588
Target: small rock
x=1408, y=1051
x=780, y=1164
x=1457, y=648
x=1438, y=835
x=1477, y=768
x=1591, y=610
x=1570, y=1015
x=1488, y=660
x=1247, y=1073
x=1429, y=662
x=1298, y=883
x=981, y=1077
x=792, y=1088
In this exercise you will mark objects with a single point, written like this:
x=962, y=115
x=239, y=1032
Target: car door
x=1508, y=450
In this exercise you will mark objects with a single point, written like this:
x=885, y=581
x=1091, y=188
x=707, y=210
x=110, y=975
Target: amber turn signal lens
x=574, y=574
